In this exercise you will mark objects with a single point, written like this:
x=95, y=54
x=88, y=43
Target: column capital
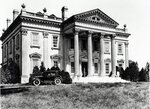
x=24, y=31
x=45, y=34
x=75, y=30
x=112, y=36
x=90, y=32
x=101, y=35
x=126, y=43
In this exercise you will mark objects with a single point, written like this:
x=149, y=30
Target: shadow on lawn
x=6, y=91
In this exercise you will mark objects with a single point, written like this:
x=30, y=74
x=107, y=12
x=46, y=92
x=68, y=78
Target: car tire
x=57, y=81
x=36, y=82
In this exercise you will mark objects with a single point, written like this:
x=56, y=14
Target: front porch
x=98, y=79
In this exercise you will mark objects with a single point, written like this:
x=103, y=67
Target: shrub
x=10, y=73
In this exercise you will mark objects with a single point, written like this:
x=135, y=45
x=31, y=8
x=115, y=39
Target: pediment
x=96, y=16
x=35, y=55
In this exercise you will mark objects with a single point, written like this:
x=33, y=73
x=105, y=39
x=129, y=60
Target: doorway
x=84, y=69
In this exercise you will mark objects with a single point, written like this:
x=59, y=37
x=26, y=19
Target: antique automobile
x=50, y=76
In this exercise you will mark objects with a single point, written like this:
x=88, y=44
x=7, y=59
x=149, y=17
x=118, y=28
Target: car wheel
x=57, y=81
x=36, y=82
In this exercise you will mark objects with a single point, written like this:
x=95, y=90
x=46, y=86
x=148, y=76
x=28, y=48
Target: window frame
x=107, y=70
x=96, y=69
x=107, y=47
x=17, y=41
x=35, y=40
x=120, y=49
x=72, y=67
x=37, y=62
x=55, y=43
x=10, y=45
x=71, y=43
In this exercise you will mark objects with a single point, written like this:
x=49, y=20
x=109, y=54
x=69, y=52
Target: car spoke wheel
x=36, y=82
x=57, y=81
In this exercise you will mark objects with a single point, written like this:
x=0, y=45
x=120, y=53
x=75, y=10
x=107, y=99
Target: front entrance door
x=84, y=69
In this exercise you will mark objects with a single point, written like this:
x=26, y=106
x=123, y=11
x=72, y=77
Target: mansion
x=85, y=44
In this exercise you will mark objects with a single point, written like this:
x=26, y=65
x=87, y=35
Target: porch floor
x=97, y=79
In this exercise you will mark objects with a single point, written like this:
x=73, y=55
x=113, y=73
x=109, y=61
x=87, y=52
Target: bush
x=10, y=73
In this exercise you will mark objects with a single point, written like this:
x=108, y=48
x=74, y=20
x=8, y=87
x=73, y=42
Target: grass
x=80, y=96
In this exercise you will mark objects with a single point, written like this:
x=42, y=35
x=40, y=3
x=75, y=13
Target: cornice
x=40, y=21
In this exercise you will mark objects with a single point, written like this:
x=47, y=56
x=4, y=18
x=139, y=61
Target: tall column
x=113, y=55
x=45, y=49
x=76, y=52
x=126, y=55
x=101, y=54
x=90, y=53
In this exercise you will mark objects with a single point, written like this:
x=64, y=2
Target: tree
x=144, y=73
x=131, y=73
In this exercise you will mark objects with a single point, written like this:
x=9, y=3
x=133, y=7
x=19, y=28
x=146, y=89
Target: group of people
x=55, y=67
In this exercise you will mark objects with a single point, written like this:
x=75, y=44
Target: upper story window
x=55, y=41
x=35, y=39
x=17, y=41
x=72, y=43
x=120, y=49
x=107, y=50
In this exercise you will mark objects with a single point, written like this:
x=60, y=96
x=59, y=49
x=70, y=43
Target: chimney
x=8, y=22
x=63, y=13
x=15, y=14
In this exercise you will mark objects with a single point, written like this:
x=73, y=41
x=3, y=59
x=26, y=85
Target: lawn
x=79, y=96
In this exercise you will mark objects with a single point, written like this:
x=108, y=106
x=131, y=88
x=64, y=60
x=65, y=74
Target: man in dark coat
x=42, y=67
x=55, y=67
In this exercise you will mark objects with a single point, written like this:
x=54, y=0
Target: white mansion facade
x=86, y=44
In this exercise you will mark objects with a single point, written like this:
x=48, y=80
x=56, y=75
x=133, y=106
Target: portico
x=89, y=37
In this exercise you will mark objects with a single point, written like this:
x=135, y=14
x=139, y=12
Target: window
x=72, y=43
x=95, y=45
x=119, y=48
x=107, y=47
x=35, y=39
x=72, y=67
x=96, y=67
x=55, y=41
x=4, y=50
x=17, y=41
x=107, y=68
x=84, y=45
x=35, y=62
x=10, y=46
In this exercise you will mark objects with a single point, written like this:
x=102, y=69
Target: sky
x=134, y=13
